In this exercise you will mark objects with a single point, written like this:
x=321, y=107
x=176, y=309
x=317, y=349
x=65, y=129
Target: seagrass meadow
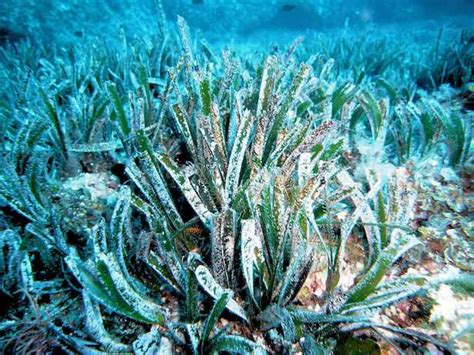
x=236, y=177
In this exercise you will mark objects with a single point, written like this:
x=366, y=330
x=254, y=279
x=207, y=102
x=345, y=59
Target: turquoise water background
x=60, y=20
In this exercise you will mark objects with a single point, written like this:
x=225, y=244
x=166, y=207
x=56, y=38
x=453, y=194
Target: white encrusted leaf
x=251, y=248
x=140, y=303
x=210, y=285
x=238, y=153
x=185, y=185
x=148, y=343
x=223, y=247
x=95, y=326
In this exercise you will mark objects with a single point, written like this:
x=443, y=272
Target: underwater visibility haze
x=236, y=177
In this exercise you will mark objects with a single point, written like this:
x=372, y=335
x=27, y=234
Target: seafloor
x=267, y=183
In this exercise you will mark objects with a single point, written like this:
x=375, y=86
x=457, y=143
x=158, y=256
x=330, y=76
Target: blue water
x=61, y=20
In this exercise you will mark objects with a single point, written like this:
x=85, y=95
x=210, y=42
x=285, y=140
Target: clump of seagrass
x=269, y=183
